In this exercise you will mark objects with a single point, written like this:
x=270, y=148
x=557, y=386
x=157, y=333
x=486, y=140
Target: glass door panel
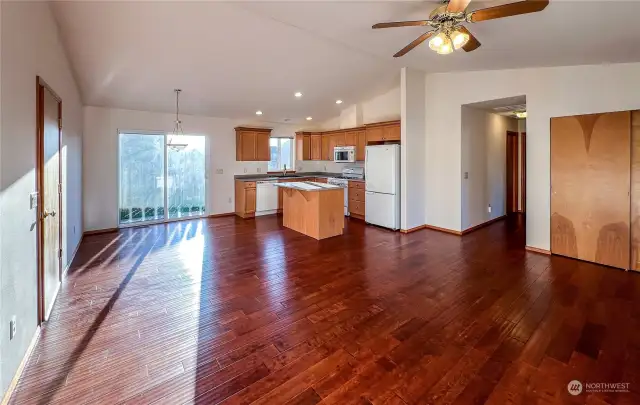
x=185, y=176
x=141, y=178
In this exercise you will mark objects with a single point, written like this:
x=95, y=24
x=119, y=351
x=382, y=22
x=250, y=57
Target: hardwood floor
x=245, y=311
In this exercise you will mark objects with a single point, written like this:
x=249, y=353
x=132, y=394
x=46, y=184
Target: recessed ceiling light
x=309, y=118
x=298, y=94
x=338, y=101
x=258, y=112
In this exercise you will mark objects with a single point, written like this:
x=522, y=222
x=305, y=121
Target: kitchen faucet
x=284, y=171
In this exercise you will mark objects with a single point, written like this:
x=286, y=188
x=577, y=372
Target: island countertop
x=307, y=186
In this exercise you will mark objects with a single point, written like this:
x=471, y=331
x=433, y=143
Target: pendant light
x=177, y=128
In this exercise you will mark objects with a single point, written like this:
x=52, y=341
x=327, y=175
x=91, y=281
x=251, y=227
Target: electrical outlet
x=489, y=208
x=229, y=200
x=219, y=171
x=13, y=327
x=245, y=169
x=325, y=168
x=259, y=170
x=74, y=229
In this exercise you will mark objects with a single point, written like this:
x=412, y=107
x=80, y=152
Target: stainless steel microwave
x=344, y=154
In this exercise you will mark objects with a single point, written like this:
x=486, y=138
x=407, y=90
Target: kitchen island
x=314, y=209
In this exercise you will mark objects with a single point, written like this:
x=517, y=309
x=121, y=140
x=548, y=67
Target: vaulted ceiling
x=233, y=58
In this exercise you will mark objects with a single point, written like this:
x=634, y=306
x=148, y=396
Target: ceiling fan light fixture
x=459, y=39
x=446, y=48
x=437, y=41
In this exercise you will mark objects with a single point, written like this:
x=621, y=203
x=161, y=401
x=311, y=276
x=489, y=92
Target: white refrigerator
x=382, y=185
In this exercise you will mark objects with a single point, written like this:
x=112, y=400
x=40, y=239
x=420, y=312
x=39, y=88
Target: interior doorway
x=49, y=196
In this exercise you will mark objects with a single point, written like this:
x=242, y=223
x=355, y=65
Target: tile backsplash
x=323, y=166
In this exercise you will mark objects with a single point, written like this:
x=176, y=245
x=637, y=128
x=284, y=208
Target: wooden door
x=635, y=190
x=49, y=205
x=590, y=181
x=326, y=154
x=350, y=139
x=248, y=147
x=316, y=147
x=250, y=200
x=512, y=172
x=361, y=145
x=523, y=171
x=263, y=150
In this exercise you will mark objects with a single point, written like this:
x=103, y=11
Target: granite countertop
x=256, y=177
x=298, y=175
x=307, y=186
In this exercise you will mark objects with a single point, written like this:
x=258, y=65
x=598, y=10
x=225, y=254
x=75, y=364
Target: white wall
x=484, y=156
x=550, y=92
x=31, y=46
x=412, y=164
x=100, y=148
x=383, y=107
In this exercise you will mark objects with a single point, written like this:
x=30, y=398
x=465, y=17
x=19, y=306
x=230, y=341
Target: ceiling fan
x=448, y=32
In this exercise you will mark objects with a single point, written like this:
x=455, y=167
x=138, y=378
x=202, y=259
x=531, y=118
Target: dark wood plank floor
x=236, y=312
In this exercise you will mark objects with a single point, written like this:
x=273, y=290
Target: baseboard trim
x=226, y=214
x=73, y=256
x=23, y=363
x=482, y=225
x=99, y=231
x=414, y=229
x=445, y=230
x=538, y=250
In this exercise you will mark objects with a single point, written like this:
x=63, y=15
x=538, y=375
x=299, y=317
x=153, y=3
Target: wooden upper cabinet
x=263, y=151
x=361, y=145
x=316, y=147
x=375, y=134
x=252, y=144
x=303, y=146
x=392, y=132
x=326, y=153
x=338, y=139
x=350, y=138
x=383, y=132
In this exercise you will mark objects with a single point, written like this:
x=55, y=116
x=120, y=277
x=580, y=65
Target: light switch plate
x=219, y=171
x=33, y=200
x=466, y=175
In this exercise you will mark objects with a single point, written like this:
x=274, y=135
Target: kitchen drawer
x=321, y=179
x=356, y=184
x=356, y=194
x=356, y=207
x=249, y=184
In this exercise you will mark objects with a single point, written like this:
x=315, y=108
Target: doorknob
x=49, y=214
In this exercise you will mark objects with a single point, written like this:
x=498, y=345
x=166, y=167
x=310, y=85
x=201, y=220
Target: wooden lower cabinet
x=321, y=180
x=245, y=199
x=357, y=199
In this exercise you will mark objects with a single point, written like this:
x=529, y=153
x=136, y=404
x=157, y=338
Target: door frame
x=523, y=172
x=511, y=163
x=41, y=86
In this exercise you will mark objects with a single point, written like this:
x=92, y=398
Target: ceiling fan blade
x=457, y=6
x=473, y=43
x=401, y=24
x=413, y=44
x=507, y=10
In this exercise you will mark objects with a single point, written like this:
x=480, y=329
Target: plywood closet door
x=590, y=177
x=635, y=190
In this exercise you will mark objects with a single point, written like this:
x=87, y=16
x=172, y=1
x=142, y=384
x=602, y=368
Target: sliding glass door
x=162, y=177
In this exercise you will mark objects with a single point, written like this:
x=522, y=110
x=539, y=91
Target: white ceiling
x=233, y=58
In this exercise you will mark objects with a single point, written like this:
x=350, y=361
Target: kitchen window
x=281, y=154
